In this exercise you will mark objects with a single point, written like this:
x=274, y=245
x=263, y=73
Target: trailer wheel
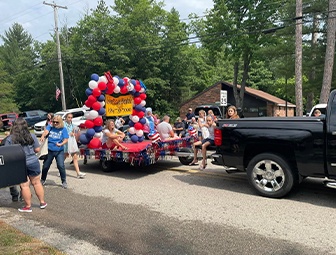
x=186, y=160
x=106, y=165
x=270, y=175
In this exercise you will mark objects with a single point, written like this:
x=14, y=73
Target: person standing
x=57, y=137
x=20, y=134
x=188, y=117
x=72, y=131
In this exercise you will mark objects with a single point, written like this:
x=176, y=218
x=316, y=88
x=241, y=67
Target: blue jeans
x=59, y=156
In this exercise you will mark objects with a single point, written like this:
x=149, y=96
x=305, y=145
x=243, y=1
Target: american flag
x=58, y=92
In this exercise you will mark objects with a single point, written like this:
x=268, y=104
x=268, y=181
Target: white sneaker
x=80, y=175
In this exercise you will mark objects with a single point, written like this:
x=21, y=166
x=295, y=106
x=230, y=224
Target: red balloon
x=110, y=88
x=102, y=85
x=124, y=90
x=92, y=99
x=96, y=106
x=89, y=124
x=96, y=92
x=98, y=121
x=138, y=126
x=137, y=87
x=141, y=114
x=95, y=143
x=143, y=96
x=88, y=103
x=137, y=100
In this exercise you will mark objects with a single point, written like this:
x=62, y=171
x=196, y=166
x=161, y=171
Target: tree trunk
x=235, y=83
x=330, y=51
x=298, y=59
x=247, y=59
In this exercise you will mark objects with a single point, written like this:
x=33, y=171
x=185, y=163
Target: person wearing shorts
x=20, y=135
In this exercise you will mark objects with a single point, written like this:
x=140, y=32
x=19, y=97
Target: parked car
x=321, y=107
x=34, y=116
x=78, y=118
x=7, y=120
x=206, y=107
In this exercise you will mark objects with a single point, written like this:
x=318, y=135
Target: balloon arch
x=99, y=88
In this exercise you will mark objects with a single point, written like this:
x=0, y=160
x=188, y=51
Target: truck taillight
x=218, y=137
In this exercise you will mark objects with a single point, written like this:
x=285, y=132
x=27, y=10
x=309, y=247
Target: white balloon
x=93, y=84
x=139, y=132
x=98, y=135
x=116, y=89
x=131, y=130
x=102, y=103
x=142, y=90
x=130, y=87
x=87, y=114
x=135, y=119
x=143, y=103
x=93, y=114
x=115, y=81
x=103, y=79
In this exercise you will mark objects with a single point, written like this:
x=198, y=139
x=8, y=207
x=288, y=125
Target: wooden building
x=257, y=103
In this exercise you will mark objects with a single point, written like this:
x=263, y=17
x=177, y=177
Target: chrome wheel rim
x=268, y=176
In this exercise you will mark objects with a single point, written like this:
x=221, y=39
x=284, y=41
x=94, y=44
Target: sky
x=38, y=18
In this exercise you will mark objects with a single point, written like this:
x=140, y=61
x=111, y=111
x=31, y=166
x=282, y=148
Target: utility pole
x=59, y=55
x=298, y=59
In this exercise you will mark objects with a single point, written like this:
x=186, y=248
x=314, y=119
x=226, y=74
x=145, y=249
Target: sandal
x=194, y=163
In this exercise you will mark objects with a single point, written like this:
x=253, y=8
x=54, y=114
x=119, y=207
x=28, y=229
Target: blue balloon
x=88, y=91
x=94, y=77
x=90, y=133
x=136, y=94
x=134, y=138
x=131, y=123
x=102, y=111
x=138, y=108
x=121, y=83
x=98, y=128
x=143, y=108
x=133, y=81
x=142, y=121
x=101, y=98
x=83, y=139
x=141, y=138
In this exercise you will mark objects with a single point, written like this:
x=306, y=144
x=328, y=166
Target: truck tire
x=106, y=165
x=270, y=175
x=186, y=160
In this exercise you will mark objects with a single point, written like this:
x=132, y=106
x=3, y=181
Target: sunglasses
x=55, y=122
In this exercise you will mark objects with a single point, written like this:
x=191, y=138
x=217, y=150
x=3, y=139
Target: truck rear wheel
x=186, y=160
x=270, y=175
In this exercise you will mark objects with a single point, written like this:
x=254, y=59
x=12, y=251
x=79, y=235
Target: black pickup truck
x=278, y=153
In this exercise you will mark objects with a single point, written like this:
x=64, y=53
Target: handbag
x=43, y=150
x=205, y=132
x=72, y=145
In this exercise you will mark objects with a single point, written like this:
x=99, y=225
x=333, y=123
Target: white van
x=78, y=118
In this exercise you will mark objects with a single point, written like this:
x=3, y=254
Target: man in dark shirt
x=188, y=117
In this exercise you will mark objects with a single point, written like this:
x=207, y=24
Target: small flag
x=58, y=92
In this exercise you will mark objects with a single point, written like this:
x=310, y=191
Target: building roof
x=252, y=92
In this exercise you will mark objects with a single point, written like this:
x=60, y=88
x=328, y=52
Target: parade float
x=111, y=96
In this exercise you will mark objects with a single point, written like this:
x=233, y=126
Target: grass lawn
x=12, y=241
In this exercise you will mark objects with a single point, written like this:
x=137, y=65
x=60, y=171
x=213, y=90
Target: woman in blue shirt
x=57, y=137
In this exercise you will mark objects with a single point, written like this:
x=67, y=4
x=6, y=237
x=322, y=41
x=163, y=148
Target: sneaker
x=64, y=185
x=43, y=205
x=25, y=209
x=43, y=182
x=81, y=175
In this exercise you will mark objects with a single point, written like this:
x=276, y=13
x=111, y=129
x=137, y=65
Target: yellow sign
x=118, y=106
